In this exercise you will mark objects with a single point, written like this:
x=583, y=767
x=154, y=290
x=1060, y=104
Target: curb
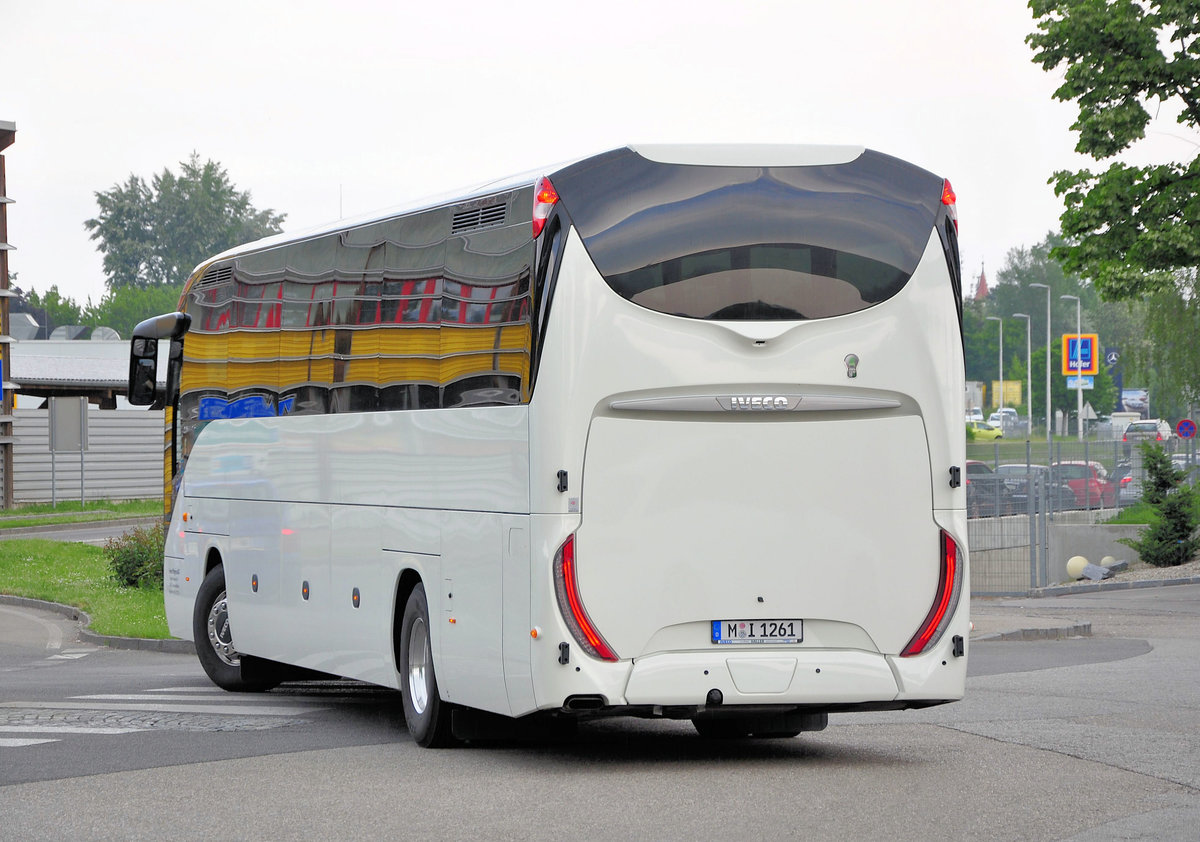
x=1112, y=585
x=1060, y=633
x=171, y=646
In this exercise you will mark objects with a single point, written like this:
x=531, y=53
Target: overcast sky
x=324, y=109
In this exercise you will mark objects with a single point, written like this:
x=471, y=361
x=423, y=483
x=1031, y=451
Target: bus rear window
x=752, y=243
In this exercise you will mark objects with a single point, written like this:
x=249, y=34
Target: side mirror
x=143, y=369
x=143, y=357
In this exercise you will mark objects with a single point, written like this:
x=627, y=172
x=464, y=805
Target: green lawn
x=79, y=575
x=43, y=514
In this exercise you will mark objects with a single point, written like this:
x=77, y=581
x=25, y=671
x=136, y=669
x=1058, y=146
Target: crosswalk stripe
x=10, y=742
x=218, y=698
x=66, y=728
x=244, y=710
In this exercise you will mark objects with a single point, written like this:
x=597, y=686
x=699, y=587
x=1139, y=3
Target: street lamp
x=1078, y=360
x=1047, y=288
x=1000, y=401
x=1028, y=364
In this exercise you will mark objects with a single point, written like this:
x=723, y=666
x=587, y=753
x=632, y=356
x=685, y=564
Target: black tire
x=227, y=667
x=427, y=716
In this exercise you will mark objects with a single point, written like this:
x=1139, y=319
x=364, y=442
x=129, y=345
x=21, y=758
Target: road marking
x=68, y=656
x=226, y=710
x=218, y=698
x=8, y=742
x=66, y=728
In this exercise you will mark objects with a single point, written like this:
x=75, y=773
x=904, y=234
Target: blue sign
x=1083, y=382
x=252, y=406
x=1186, y=428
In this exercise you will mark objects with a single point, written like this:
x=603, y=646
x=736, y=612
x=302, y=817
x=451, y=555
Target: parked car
x=1154, y=429
x=1182, y=461
x=1058, y=495
x=987, y=494
x=1129, y=487
x=975, y=414
x=1089, y=482
x=984, y=431
x=1004, y=417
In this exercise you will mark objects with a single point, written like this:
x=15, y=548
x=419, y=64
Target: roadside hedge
x=136, y=558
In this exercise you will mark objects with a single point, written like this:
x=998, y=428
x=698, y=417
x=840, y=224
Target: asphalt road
x=85, y=533
x=1088, y=738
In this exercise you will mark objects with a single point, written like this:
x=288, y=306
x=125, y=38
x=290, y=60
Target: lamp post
x=1078, y=361
x=1028, y=364
x=1047, y=288
x=1000, y=401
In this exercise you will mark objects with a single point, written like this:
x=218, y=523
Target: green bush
x=1170, y=539
x=136, y=558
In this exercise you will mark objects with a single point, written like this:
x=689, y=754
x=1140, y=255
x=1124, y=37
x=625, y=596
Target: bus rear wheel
x=427, y=716
x=228, y=668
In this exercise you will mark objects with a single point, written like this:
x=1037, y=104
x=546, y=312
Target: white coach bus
x=667, y=431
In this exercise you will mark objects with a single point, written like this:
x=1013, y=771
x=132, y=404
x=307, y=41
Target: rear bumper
x=762, y=678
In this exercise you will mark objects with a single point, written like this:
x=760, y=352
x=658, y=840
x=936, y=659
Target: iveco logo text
x=757, y=402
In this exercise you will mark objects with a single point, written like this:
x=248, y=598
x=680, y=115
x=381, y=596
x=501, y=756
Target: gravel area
x=1139, y=571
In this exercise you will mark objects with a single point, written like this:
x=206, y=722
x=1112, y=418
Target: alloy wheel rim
x=219, y=635
x=418, y=666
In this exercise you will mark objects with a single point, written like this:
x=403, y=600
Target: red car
x=1089, y=482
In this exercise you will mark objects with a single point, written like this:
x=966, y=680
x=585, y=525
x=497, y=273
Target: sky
x=324, y=110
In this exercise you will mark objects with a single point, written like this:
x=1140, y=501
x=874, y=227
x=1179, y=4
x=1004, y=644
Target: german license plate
x=757, y=631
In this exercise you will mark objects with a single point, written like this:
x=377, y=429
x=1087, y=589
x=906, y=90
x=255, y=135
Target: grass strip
x=44, y=514
x=79, y=575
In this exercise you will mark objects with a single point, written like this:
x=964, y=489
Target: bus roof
x=777, y=155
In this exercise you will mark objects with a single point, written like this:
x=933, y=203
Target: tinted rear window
x=752, y=243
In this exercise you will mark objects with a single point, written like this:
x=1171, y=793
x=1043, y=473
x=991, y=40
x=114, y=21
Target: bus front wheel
x=228, y=668
x=427, y=716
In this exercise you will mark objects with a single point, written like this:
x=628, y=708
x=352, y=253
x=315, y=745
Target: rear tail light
x=945, y=601
x=545, y=197
x=566, y=589
x=950, y=200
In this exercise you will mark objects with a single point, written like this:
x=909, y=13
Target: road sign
x=1186, y=428
x=1086, y=382
x=1081, y=353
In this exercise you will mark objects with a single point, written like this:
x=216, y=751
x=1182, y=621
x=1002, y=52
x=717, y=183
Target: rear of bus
x=746, y=437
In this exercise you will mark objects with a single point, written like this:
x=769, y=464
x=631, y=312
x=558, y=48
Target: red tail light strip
x=566, y=588
x=944, y=603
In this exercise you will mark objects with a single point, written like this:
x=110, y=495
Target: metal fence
x=124, y=459
x=1018, y=491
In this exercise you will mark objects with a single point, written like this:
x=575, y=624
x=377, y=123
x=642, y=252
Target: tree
x=1170, y=354
x=1117, y=324
x=122, y=308
x=1128, y=228
x=156, y=234
x=57, y=310
x=1170, y=539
